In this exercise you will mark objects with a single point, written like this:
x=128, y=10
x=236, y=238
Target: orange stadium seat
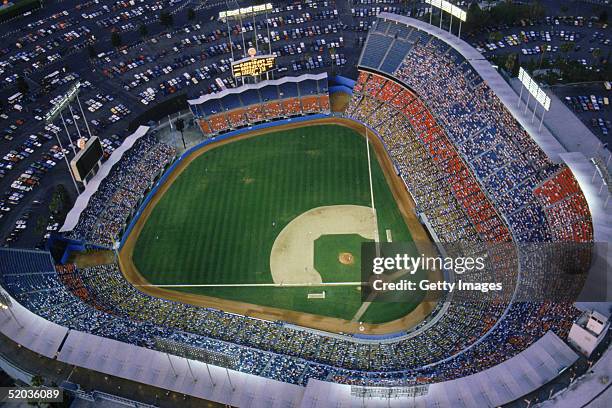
x=273, y=110
x=363, y=78
x=565, y=207
x=255, y=113
x=218, y=122
x=403, y=99
x=324, y=102
x=310, y=104
x=237, y=118
x=204, y=126
x=389, y=91
x=292, y=106
x=374, y=85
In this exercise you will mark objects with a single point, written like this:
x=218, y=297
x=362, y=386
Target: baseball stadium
x=230, y=270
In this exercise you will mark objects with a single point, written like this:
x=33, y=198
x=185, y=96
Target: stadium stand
x=266, y=101
x=100, y=301
x=476, y=176
x=111, y=207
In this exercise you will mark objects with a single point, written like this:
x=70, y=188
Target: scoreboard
x=253, y=66
x=245, y=11
x=87, y=159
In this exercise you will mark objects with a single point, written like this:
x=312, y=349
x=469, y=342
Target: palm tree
x=180, y=126
x=332, y=54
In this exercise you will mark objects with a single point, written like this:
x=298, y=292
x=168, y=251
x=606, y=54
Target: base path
x=330, y=324
x=292, y=256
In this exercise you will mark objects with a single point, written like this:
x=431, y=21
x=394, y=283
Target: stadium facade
x=479, y=173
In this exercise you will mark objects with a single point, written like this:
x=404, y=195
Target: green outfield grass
x=218, y=221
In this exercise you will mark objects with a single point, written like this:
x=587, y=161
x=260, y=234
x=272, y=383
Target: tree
x=332, y=56
x=37, y=381
x=116, y=39
x=495, y=36
x=41, y=224
x=180, y=126
x=537, y=11
x=603, y=17
x=59, y=202
x=22, y=85
x=512, y=64
x=477, y=18
x=567, y=47
x=597, y=53
x=143, y=30
x=191, y=14
x=166, y=19
x=91, y=51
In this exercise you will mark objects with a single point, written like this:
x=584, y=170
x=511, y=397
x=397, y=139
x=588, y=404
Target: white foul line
x=232, y=285
x=370, y=172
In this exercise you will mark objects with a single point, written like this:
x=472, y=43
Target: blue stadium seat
x=230, y=102
x=211, y=107
x=382, y=26
x=396, y=55
x=308, y=87
x=269, y=93
x=323, y=87
x=288, y=90
x=375, y=50
x=401, y=31
x=250, y=97
x=25, y=261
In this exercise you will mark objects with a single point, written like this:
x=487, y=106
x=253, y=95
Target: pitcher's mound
x=346, y=258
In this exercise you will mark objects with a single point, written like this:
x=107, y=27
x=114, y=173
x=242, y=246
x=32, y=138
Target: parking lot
x=71, y=41
x=591, y=103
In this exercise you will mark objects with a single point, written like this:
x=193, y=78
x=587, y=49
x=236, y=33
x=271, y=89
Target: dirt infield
x=405, y=204
x=292, y=256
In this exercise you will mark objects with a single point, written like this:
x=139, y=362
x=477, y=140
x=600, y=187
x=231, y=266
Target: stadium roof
x=598, y=287
x=82, y=200
x=259, y=85
x=18, y=323
x=504, y=383
x=563, y=146
x=506, y=94
x=175, y=373
x=590, y=390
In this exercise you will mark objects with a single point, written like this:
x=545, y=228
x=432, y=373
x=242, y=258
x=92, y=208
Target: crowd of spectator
x=375, y=107
x=465, y=129
x=566, y=208
x=100, y=301
x=464, y=159
x=502, y=155
x=118, y=196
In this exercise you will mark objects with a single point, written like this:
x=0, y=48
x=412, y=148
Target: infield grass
x=217, y=222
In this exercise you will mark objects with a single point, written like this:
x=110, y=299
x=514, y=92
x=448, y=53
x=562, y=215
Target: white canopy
x=92, y=186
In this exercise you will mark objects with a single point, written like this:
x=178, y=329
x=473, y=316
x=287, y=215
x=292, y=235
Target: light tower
x=58, y=111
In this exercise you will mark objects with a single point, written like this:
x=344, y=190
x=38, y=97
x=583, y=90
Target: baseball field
x=277, y=221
